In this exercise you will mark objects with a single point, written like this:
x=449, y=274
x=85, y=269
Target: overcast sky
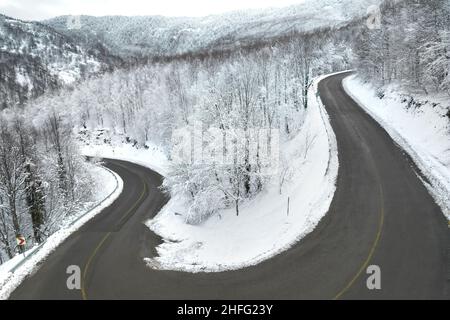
x=42, y=9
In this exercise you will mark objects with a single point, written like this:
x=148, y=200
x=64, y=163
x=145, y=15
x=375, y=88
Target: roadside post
x=288, y=206
x=21, y=242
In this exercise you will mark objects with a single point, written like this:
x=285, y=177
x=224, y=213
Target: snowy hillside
x=271, y=222
x=156, y=35
x=34, y=58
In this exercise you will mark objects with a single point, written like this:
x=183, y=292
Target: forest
x=412, y=47
x=43, y=176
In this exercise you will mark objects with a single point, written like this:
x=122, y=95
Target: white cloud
x=42, y=9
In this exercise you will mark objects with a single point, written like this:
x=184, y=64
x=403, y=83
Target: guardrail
x=37, y=248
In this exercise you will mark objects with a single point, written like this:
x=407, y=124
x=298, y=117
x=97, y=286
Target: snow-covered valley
x=170, y=36
x=226, y=112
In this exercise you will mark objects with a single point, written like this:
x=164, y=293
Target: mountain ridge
x=138, y=36
x=34, y=58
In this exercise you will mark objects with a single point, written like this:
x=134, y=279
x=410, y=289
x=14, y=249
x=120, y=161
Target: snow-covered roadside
x=110, y=187
x=423, y=132
x=152, y=158
x=264, y=228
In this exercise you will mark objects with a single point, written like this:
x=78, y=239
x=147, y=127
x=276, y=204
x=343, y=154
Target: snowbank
x=422, y=131
x=14, y=271
x=264, y=228
x=153, y=157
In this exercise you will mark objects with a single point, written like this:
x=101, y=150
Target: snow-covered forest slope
x=151, y=104
x=404, y=82
x=167, y=36
x=35, y=58
x=410, y=47
x=289, y=207
x=248, y=91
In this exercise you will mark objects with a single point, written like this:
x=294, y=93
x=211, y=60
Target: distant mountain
x=165, y=36
x=40, y=56
x=34, y=58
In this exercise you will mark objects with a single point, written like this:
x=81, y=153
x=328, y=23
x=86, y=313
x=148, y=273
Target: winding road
x=381, y=215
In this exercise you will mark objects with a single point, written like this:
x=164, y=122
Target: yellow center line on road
x=100, y=244
x=86, y=268
x=372, y=249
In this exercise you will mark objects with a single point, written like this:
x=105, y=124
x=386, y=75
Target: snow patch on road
x=263, y=228
x=110, y=186
x=423, y=131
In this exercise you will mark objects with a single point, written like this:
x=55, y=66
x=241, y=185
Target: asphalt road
x=381, y=215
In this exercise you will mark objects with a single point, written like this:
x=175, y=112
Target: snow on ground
x=110, y=186
x=23, y=79
x=263, y=227
x=153, y=157
x=421, y=130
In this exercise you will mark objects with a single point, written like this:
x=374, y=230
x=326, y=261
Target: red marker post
x=21, y=242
